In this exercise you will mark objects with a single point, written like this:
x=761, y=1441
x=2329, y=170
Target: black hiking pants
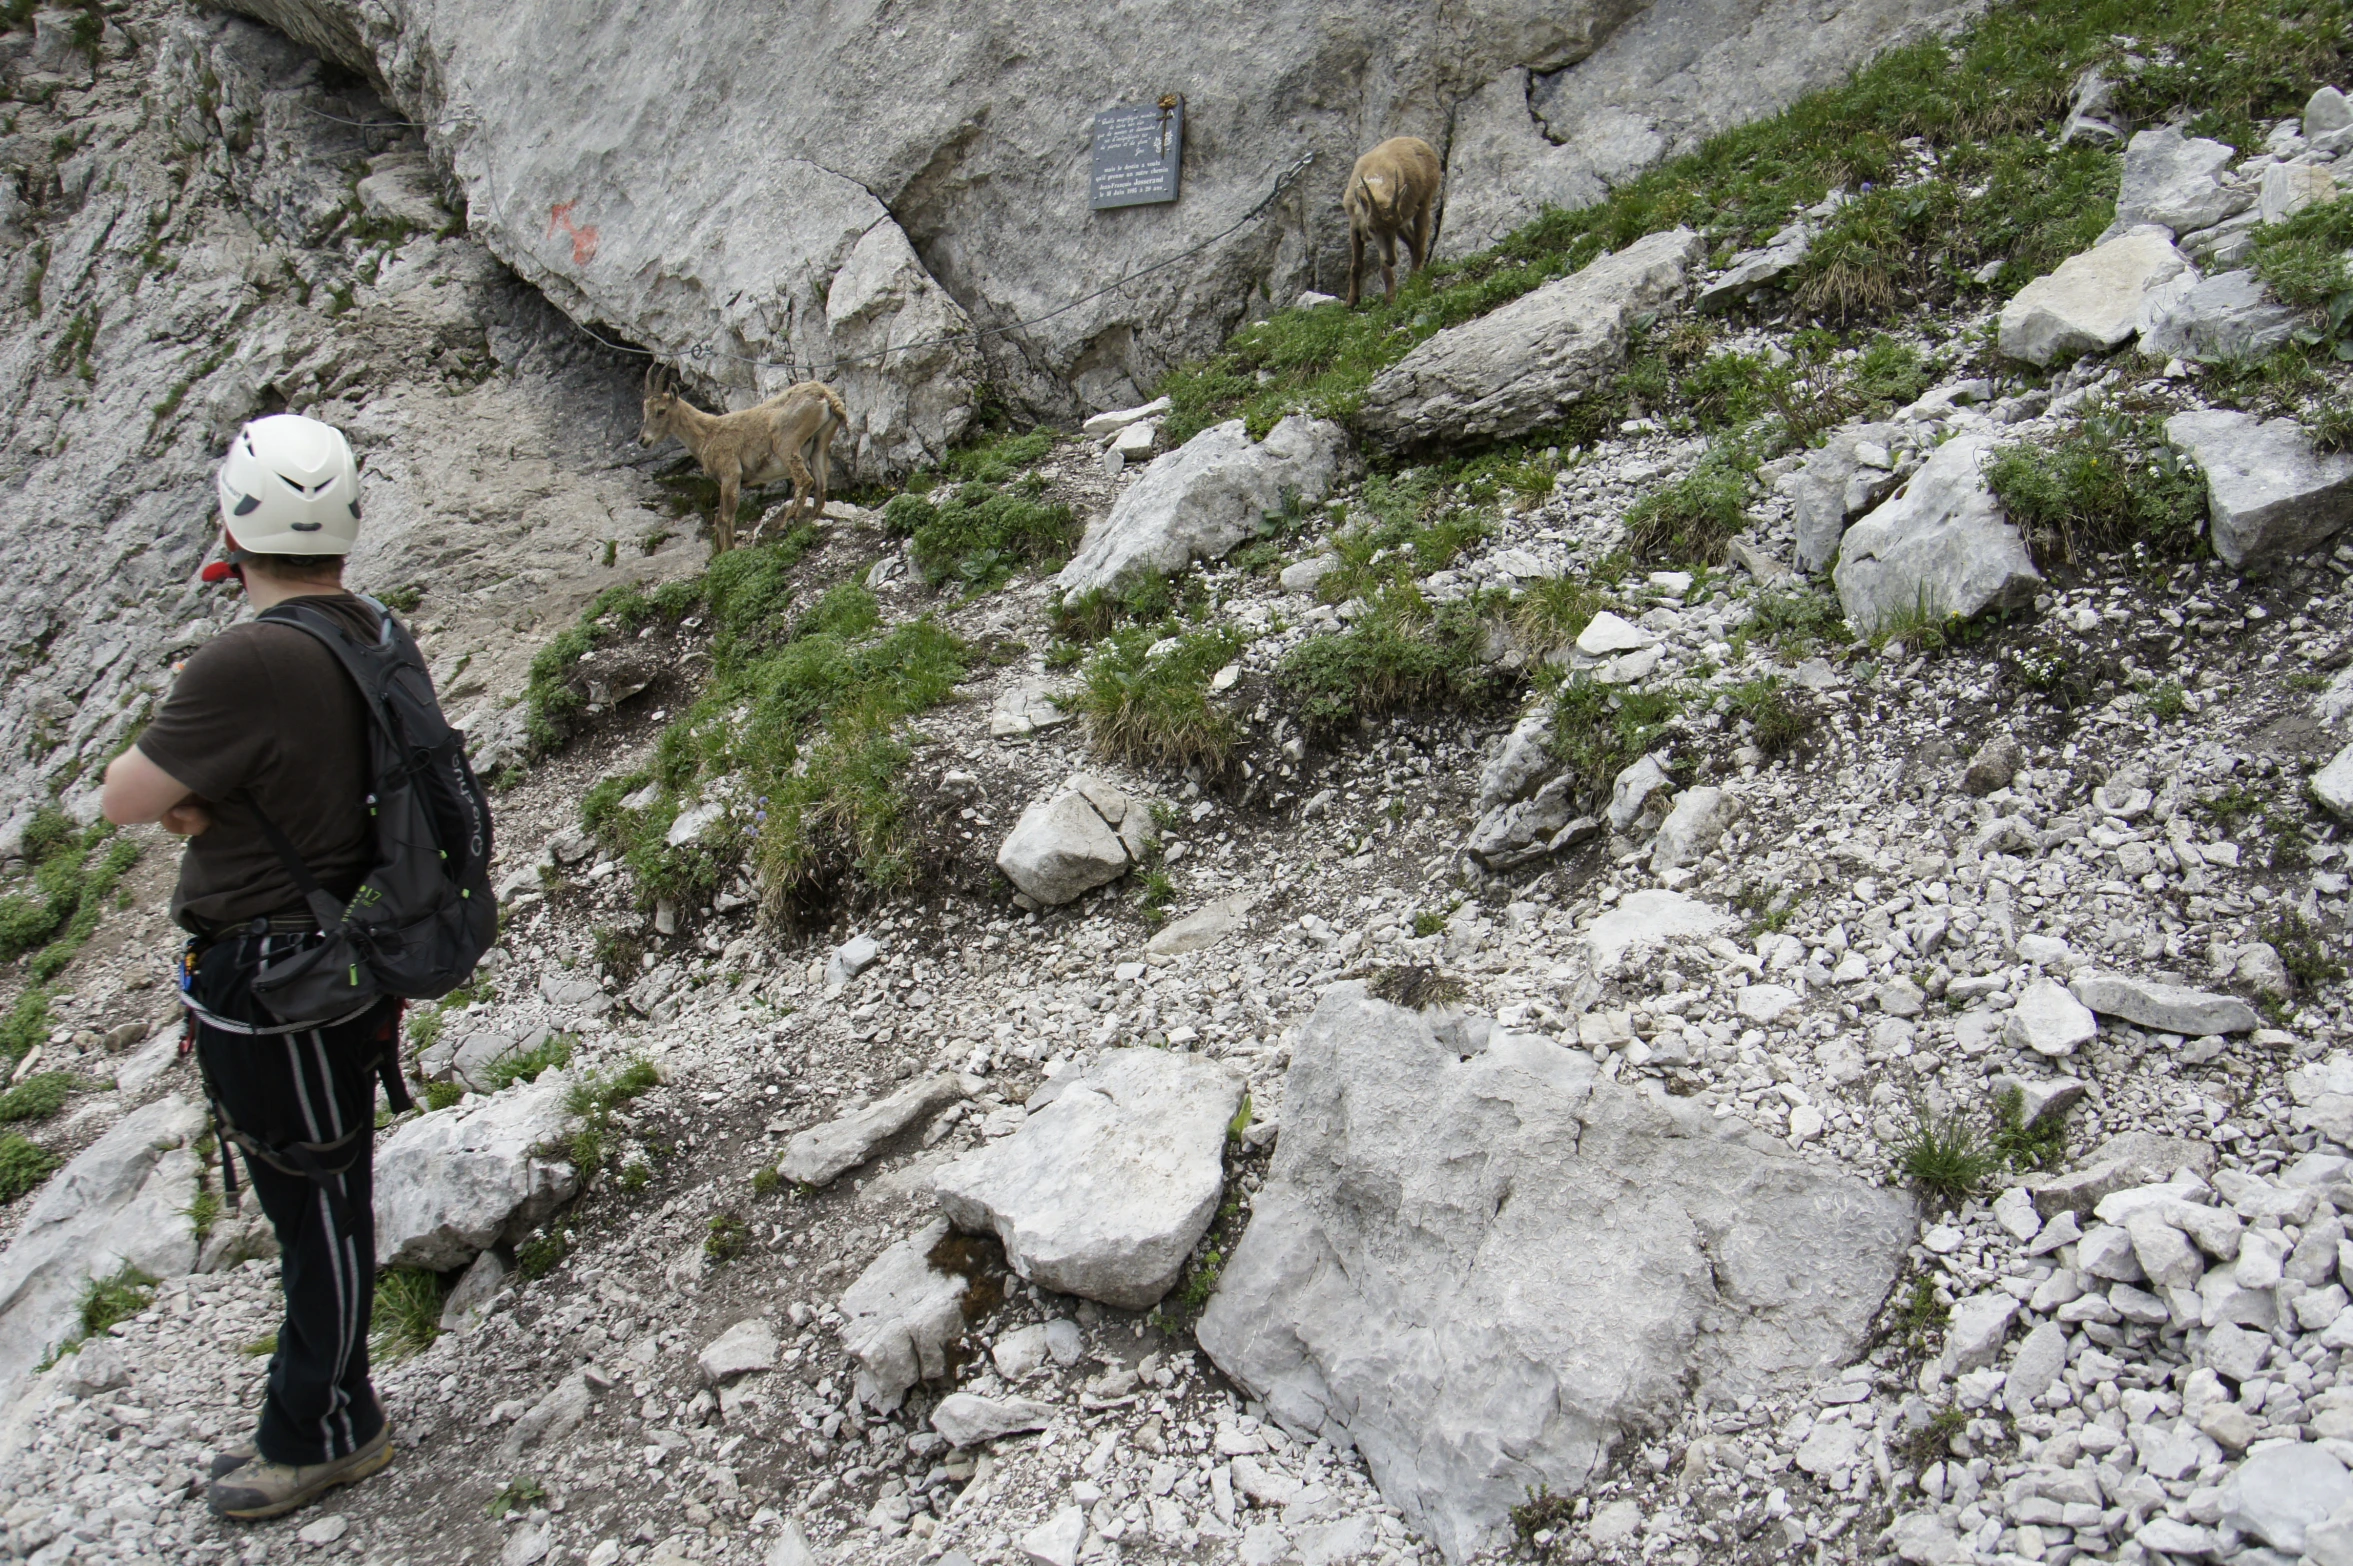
x=313, y=1089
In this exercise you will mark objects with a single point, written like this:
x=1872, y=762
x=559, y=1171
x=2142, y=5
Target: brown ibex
x=1392, y=194
x=788, y=436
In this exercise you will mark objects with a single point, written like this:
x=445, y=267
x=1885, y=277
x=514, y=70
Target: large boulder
x=121, y=1202
x=453, y=1182
x=1833, y=484
x=2269, y=495
x=2175, y=182
x=1205, y=497
x=1487, y=1272
x=1084, y=835
x=1104, y=1191
x=2095, y=300
x=1942, y=547
x=2219, y=320
x=1517, y=368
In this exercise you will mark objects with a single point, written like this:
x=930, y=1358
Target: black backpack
x=425, y=914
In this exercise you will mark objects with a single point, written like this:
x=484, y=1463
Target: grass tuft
x=1691, y=520
x=1146, y=698
x=1400, y=655
x=38, y=1096
x=1945, y=1157
x=115, y=1298
x=24, y=1164
x=1598, y=730
x=407, y=1316
x=980, y=535
x=2109, y=483
x=1778, y=723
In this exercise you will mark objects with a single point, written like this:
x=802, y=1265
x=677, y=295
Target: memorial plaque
x=1136, y=154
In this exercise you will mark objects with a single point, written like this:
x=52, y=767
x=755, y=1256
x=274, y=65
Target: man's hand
x=138, y=791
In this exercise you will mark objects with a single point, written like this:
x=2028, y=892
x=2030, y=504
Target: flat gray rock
x=455, y=1181
x=1487, y=1272
x=121, y=1201
x=822, y=1154
x=1524, y=756
x=2332, y=785
x=1941, y=547
x=1027, y=706
x=1202, y=928
x=746, y=1347
x=968, y=1420
x=2175, y=182
x=1651, y=918
x=1200, y=500
x=2282, y=1490
x=2270, y=495
x=2221, y=319
x=2167, y=1008
x=1103, y=1192
x=1694, y=825
x=2049, y=1020
x=2128, y=1159
x=1751, y=270
x=900, y=1316
x=2094, y=300
x=1517, y=368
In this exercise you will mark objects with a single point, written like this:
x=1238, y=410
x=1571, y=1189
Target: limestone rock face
x=455, y=1181
x=1942, y=545
x=852, y=194
x=1483, y=1271
x=1205, y=497
x=1515, y=369
x=2269, y=494
x=122, y=1201
x=2094, y=300
x=1650, y=83
x=1103, y=1192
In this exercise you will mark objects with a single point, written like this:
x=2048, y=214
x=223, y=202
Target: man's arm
x=138, y=791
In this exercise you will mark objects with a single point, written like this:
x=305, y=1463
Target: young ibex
x=788, y=436
x=1392, y=194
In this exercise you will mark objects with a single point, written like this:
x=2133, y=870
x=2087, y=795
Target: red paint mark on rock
x=559, y=220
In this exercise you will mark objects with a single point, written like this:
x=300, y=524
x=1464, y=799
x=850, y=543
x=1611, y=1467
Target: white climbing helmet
x=290, y=486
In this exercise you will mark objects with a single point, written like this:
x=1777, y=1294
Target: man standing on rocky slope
x=261, y=759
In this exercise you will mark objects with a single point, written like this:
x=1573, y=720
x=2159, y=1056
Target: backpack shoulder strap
x=364, y=663
x=355, y=661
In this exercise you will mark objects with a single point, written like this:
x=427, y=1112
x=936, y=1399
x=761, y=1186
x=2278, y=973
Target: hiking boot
x=231, y=1458
x=260, y=1488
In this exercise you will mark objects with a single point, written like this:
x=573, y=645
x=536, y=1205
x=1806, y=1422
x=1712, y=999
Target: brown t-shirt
x=264, y=713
